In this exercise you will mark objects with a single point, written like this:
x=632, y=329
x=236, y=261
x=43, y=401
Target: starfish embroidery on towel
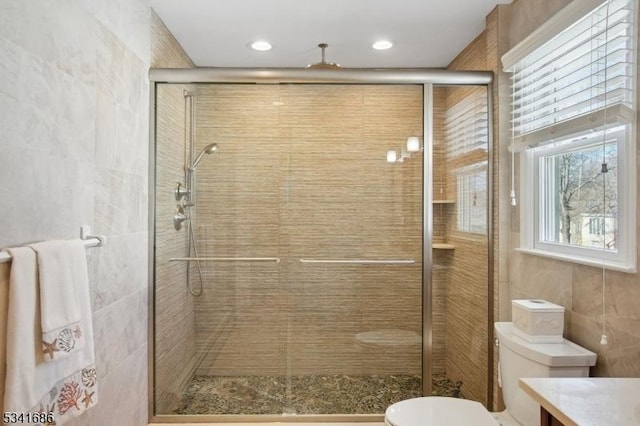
x=88, y=398
x=50, y=348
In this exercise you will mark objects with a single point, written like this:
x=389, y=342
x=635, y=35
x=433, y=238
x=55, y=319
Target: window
x=573, y=118
x=466, y=133
x=472, y=199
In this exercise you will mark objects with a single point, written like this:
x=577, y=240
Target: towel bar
x=362, y=261
x=88, y=240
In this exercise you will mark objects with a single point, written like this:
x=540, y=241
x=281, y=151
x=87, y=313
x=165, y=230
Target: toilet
x=517, y=358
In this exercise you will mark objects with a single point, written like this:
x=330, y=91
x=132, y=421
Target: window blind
x=580, y=78
x=465, y=125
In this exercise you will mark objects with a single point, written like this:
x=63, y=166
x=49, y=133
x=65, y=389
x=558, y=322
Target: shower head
x=323, y=65
x=209, y=149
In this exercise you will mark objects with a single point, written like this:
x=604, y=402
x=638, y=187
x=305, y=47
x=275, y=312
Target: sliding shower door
x=353, y=238
x=461, y=277
x=302, y=290
x=288, y=262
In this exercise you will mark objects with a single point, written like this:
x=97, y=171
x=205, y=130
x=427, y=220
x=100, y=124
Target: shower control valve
x=178, y=218
x=181, y=192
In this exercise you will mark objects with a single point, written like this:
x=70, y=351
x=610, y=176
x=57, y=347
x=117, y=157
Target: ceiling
x=426, y=33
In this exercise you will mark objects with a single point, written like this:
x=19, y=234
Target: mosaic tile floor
x=307, y=394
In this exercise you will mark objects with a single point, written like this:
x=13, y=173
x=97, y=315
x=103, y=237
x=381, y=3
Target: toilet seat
x=438, y=411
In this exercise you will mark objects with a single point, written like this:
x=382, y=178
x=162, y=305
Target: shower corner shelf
x=442, y=246
x=441, y=211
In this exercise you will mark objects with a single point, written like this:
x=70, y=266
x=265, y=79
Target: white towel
x=62, y=267
x=65, y=388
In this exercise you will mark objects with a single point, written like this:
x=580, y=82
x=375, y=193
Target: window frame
x=463, y=210
x=533, y=211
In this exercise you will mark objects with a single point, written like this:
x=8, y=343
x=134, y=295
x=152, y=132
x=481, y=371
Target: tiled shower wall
x=174, y=350
x=301, y=172
x=460, y=275
x=74, y=118
x=441, y=258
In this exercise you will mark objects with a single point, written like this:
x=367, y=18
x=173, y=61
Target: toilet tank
x=519, y=358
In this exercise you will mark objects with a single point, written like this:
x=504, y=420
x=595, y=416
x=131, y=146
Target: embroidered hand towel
x=62, y=267
x=65, y=388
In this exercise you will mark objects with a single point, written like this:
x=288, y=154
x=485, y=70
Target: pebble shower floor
x=306, y=395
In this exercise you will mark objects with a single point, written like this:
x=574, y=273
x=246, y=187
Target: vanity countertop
x=597, y=401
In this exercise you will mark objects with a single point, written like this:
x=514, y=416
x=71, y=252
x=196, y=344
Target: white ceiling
x=427, y=33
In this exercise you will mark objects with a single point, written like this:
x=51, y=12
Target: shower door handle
x=225, y=259
x=361, y=261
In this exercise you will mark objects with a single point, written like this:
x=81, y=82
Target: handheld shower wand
x=209, y=149
x=184, y=193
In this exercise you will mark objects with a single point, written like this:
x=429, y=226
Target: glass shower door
x=460, y=278
x=309, y=221
x=353, y=238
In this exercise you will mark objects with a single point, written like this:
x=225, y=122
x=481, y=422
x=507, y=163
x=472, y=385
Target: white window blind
x=465, y=125
x=580, y=79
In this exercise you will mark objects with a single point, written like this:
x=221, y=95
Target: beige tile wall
x=175, y=354
x=307, y=178
x=166, y=52
x=442, y=259
x=578, y=288
x=467, y=354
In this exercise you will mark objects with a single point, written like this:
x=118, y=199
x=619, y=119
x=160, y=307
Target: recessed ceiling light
x=382, y=45
x=260, y=45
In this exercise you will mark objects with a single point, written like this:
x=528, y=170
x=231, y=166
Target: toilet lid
x=440, y=411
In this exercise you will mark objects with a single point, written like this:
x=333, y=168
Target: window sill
x=614, y=266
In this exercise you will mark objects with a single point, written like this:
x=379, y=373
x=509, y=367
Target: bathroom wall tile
x=118, y=269
x=542, y=278
x=56, y=202
x=128, y=20
x=621, y=296
x=59, y=174
x=123, y=76
x=46, y=109
x=526, y=16
x=504, y=301
x=60, y=35
x=122, y=395
x=619, y=358
x=120, y=202
x=120, y=330
x=116, y=131
x=259, y=196
x=166, y=51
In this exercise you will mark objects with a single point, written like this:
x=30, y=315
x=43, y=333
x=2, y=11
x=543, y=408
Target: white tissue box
x=538, y=321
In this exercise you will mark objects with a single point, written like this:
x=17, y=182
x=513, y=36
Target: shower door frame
x=427, y=77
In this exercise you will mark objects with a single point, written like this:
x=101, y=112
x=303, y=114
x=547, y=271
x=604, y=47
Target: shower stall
x=320, y=242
